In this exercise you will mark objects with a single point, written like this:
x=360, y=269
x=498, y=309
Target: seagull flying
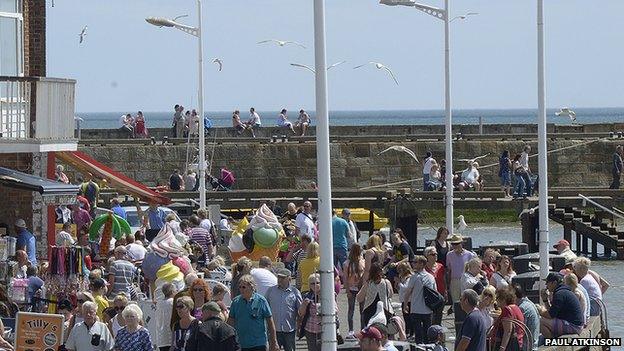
x=280, y=42
x=402, y=149
x=471, y=160
x=219, y=62
x=565, y=111
x=83, y=34
x=380, y=66
x=463, y=17
x=461, y=226
x=313, y=70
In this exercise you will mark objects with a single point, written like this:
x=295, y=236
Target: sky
x=125, y=64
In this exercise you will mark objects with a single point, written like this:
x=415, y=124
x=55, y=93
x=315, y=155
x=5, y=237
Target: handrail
x=585, y=198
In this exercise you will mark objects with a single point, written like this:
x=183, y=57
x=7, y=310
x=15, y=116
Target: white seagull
x=313, y=70
x=461, y=226
x=380, y=66
x=565, y=111
x=471, y=160
x=281, y=42
x=219, y=62
x=463, y=17
x=83, y=34
x=402, y=149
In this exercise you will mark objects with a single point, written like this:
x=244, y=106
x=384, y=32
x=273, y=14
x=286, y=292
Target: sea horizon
x=163, y=119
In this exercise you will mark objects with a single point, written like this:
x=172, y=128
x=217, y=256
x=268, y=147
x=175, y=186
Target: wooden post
x=585, y=247
x=578, y=243
x=594, y=252
x=567, y=231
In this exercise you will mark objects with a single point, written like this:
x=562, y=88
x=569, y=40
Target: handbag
x=433, y=299
x=304, y=321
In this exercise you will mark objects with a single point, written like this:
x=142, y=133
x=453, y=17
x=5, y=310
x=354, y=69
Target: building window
x=11, y=38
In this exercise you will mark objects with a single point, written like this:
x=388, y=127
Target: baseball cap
x=211, y=306
x=283, y=272
x=371, y=333
x=554, y=277
x=20, y=223
x=561, y=242
x=64, y=305
x=434, y=331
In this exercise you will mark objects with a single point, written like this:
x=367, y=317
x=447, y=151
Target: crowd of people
x=270, y=304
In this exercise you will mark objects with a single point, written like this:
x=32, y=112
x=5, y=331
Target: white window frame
x=19, y=27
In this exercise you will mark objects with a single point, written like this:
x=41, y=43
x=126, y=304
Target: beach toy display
x=114, y=226
x=260, y=237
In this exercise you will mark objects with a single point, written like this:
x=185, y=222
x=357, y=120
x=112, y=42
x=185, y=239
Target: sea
x=107, y=120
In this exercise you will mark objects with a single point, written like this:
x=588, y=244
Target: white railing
x=608, y=210
x=37, y=108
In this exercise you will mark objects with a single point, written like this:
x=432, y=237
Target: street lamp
x=196, y=32
x=328, y=302
x=542, y=148
x=441, y=14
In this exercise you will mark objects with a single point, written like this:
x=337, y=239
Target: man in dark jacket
x=618, y=167
x=213, y=334
x=563, y=314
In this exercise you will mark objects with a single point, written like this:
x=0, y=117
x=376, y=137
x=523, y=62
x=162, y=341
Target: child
x=98, y=287
x=436, y=334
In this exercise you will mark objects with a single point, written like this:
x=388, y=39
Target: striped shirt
x=124, y=273
x=202, y=237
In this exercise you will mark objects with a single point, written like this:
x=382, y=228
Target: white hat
x=20, y=223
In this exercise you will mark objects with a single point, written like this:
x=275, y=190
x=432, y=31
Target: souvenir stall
x=67, y=274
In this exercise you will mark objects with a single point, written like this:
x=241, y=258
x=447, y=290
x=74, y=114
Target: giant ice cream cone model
x=166, y=245
x=266, y=232
x=158, y=265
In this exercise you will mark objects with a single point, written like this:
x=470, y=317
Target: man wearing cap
x=121, y=274
x=371, y=339
x=563, y=249
x=284, y=301
x=213, y=334
x=25, y=241
x=456, y=259
x=562, y=314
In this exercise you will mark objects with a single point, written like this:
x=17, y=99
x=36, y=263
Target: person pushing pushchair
x=225, y=181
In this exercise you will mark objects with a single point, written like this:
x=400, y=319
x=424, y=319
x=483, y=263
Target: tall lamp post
x=542, y=147
x=441, y=14
x=196, y=32
x=328, y=307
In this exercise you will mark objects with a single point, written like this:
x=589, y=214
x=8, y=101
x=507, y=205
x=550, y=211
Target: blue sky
x=126, y=64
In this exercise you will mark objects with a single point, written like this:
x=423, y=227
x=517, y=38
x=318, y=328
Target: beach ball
x=183, y=264
x=265, y=237
x=151, y=264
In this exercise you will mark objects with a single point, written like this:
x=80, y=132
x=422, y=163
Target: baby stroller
x=224, y=182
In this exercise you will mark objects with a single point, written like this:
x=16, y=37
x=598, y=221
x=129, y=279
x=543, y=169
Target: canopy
x=116, y=179
x=52, y=192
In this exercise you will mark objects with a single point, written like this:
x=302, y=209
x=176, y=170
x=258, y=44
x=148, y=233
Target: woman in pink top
x=353, y=271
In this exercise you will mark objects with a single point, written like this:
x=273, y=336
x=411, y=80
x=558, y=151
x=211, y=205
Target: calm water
x=610, y=270
x=104, y=120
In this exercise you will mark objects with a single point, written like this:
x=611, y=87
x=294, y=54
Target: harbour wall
x=356, y=164
x=268, y=131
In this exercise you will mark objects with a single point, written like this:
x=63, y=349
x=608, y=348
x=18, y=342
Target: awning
x=121, y=182
x=51, y=191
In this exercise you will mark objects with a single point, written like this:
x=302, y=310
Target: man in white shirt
x=64, y=238
x=524, y=162
x=134, y=251
x=353, y=231
x=90, y=335
x=303, y=223
x=262, y=275
x=427, y=163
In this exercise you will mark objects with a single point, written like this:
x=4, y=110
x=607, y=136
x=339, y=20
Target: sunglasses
x=180, y=307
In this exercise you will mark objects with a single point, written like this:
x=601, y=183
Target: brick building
x=36, y=112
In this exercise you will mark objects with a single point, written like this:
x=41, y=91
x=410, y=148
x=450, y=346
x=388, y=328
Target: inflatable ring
x=120, y=226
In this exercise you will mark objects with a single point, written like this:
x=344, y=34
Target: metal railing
x=37, y=107
x=608, y=210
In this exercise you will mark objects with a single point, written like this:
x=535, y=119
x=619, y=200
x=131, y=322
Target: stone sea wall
x=355, y=165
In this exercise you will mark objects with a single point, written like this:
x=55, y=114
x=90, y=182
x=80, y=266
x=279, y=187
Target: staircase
x=597, y=227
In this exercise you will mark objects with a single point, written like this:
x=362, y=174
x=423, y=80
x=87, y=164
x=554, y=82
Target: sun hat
x=20, y=223
x=455, y=239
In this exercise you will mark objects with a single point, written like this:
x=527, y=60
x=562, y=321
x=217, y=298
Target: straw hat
x=455, y=239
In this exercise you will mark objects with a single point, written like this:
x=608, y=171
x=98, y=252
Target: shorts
x=563, y=327
x=505, y=179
